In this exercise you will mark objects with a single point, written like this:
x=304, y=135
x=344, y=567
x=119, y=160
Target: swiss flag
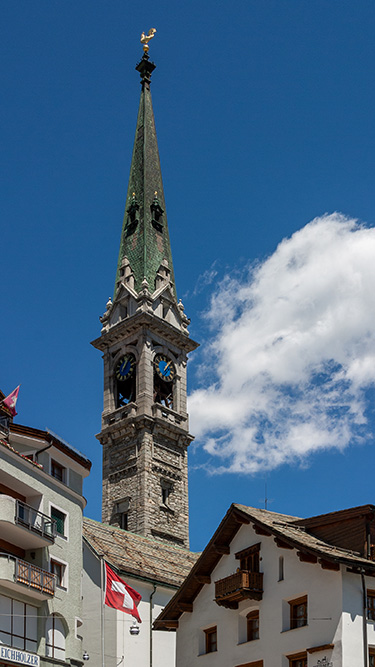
x=119, y=595
x=11, y=400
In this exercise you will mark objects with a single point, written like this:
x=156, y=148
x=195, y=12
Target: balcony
x=24, y=526
x=18, y=575
x=159, y=410
x=239, y=586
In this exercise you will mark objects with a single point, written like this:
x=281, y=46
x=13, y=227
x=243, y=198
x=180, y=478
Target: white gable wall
x=325, y=598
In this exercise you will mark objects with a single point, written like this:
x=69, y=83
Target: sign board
x=19, y=657
x=324, y=663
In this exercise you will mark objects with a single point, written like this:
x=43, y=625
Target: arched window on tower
x=125, y=380
x=55, y=637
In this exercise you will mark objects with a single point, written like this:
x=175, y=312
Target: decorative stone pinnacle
x=146, y=38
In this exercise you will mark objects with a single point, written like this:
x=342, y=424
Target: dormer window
x=132, y=216
x=157, y=214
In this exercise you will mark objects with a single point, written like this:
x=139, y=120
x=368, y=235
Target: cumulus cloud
x=293, y=351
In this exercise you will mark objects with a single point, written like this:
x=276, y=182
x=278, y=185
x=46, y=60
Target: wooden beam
x=324, y=647
x=185, y=606
x=283, y=545
x=222, y=549
x=261, y=531
x=203, y=578
x=171, y=625
x=328, y=564
x=306, y=557
x=240, y=518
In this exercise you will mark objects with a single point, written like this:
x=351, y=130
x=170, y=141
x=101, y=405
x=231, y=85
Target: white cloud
x=293, y=351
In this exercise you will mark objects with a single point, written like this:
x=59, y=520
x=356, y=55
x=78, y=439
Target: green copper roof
x=145, y=238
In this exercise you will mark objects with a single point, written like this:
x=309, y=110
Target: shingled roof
x=139, y=556
x=287, y=531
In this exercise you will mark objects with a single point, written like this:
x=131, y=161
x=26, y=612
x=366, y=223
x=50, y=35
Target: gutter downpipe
x=364, y=620
x=151, y=596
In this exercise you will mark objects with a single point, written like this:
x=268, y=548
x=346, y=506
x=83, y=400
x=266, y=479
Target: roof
x=139, y=556
x=145, y=237
x=287, y=532
x=55, y=440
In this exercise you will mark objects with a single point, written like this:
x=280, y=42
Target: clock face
x=164, y=367
x=125, y=367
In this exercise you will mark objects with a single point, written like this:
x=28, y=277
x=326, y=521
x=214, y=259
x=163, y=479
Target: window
x=166, y=490
x=298, y=660
x=211, y=640
x=55, y=637
x=59, y=569
x=371, y=605
x=60, y=518
x=298, y=613
x=371, y=657
x=124, y=521
x=58, y=471
x=281, y=568
x=249, y=558
x=252, y=625
x=18, y=624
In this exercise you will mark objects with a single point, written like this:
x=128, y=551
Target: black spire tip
x=145, y=67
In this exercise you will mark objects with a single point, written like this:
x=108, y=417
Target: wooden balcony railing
x=239, y=586
x=32, y=576
x=35, y=577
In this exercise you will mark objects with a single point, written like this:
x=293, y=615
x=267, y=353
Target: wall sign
x=323, y=663
x=19, y=657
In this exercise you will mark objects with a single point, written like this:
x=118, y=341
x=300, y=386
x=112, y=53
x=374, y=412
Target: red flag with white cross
x=119, y=595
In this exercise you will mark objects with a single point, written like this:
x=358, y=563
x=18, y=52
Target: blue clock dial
x=164, y=367
x=125, y=367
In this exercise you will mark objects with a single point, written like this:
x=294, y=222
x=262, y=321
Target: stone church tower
x=145, y=343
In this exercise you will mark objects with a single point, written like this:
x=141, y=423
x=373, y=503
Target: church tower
x=145, y=343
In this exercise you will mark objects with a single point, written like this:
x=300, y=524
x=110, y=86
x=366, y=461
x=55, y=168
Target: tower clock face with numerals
x=164, y=367
x=125, y=367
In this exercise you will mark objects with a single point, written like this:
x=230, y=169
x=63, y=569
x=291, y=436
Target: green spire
x=145, y=238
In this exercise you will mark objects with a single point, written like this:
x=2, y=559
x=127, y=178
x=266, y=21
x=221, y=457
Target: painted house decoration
x=271, y=590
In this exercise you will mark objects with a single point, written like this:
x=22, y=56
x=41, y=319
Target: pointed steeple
x=145, y=244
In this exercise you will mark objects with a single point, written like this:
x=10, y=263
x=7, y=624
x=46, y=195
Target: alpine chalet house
x=271, y=590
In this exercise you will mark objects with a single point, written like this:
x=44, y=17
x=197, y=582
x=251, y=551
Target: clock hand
x=166, y=367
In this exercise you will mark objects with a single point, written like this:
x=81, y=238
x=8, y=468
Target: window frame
x=65, y=534
x=210, y=640
x=56, y=465
x=53, y=645
x=252, y=625
x=296, y=658
x=249, y=558
x=62, y=580
x=14, y=619
x=370, y=609
x=371, y=654
x=294, y=619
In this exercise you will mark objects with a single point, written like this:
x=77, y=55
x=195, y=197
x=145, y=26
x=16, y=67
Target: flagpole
x=102, y=607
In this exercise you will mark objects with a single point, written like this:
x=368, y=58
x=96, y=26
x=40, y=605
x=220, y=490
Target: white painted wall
x=121, y=649
x=334, y=613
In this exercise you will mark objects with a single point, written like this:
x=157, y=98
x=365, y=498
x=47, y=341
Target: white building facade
x=268, y=592
x=152, y=568
x=41, y=507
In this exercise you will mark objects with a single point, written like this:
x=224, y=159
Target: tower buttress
x=145, y=343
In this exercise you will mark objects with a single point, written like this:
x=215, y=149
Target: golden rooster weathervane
x=146, y=38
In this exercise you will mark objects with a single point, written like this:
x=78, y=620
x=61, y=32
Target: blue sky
x=265, y=121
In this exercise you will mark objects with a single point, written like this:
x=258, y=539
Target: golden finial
x=155, y=193
x=146, y=38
